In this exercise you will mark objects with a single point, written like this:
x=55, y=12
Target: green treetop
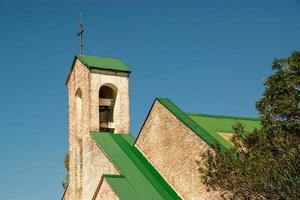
x=264, y=164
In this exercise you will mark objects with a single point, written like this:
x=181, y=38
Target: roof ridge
x=106, y=63
x=211, y=140
x=223, y=116
x=134, y=152
x=78, y=55
x=128, y=153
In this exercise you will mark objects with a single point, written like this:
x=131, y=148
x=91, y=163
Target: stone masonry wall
x=87, y=161
x=173, y=150
x=78, y=80
x=106, y=192
x=95, y=164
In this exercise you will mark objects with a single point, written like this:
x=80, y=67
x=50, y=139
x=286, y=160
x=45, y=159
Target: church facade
x=107, y=162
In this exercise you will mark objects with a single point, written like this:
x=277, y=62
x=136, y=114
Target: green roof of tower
x=103, y=63
x=96, y=62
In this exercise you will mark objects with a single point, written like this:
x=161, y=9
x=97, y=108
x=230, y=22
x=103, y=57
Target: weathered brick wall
x=78, y=80
x=87, y=161
x=95, y=164
x=106, y=192
x=173, y=150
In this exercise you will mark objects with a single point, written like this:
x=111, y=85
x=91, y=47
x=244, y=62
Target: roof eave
x=90, y=67
x=191, y=124
x=72, y=66
x=126, y=71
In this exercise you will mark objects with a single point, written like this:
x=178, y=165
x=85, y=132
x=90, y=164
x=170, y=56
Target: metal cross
x=80, y=34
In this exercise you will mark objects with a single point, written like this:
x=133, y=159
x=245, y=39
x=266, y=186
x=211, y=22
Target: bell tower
x=98, y=91
x=98, y=100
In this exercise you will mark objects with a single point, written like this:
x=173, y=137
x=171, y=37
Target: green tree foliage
x=264, y=164
x=65, y=183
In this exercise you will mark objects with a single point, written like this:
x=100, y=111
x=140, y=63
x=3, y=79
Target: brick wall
x=87, y=161
x=173, y=150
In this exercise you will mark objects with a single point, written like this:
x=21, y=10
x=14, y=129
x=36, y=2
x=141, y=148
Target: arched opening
x=78, y=111
x=107, y=97
x=78, y=152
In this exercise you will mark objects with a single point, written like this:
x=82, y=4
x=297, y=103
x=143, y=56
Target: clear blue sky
x=206, y=56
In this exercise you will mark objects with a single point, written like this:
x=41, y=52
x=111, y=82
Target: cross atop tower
x=80, y=34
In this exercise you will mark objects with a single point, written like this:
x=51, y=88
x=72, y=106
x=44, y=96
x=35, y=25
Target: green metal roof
x=121, y=187
x=208, y=126
x=217, y=123
x=143, y=181
x=103, y=63
x=139, y=180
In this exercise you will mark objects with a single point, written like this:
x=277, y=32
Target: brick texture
x=87, y=161
x=173, y=150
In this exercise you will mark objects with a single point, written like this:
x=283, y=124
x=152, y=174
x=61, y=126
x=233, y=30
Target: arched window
x=107, y=97
x=78, y=152
x=78, y=111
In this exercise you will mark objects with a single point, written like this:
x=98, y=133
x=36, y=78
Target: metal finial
x=80, y=34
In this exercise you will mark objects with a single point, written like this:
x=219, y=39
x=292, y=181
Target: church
x=108, y=163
